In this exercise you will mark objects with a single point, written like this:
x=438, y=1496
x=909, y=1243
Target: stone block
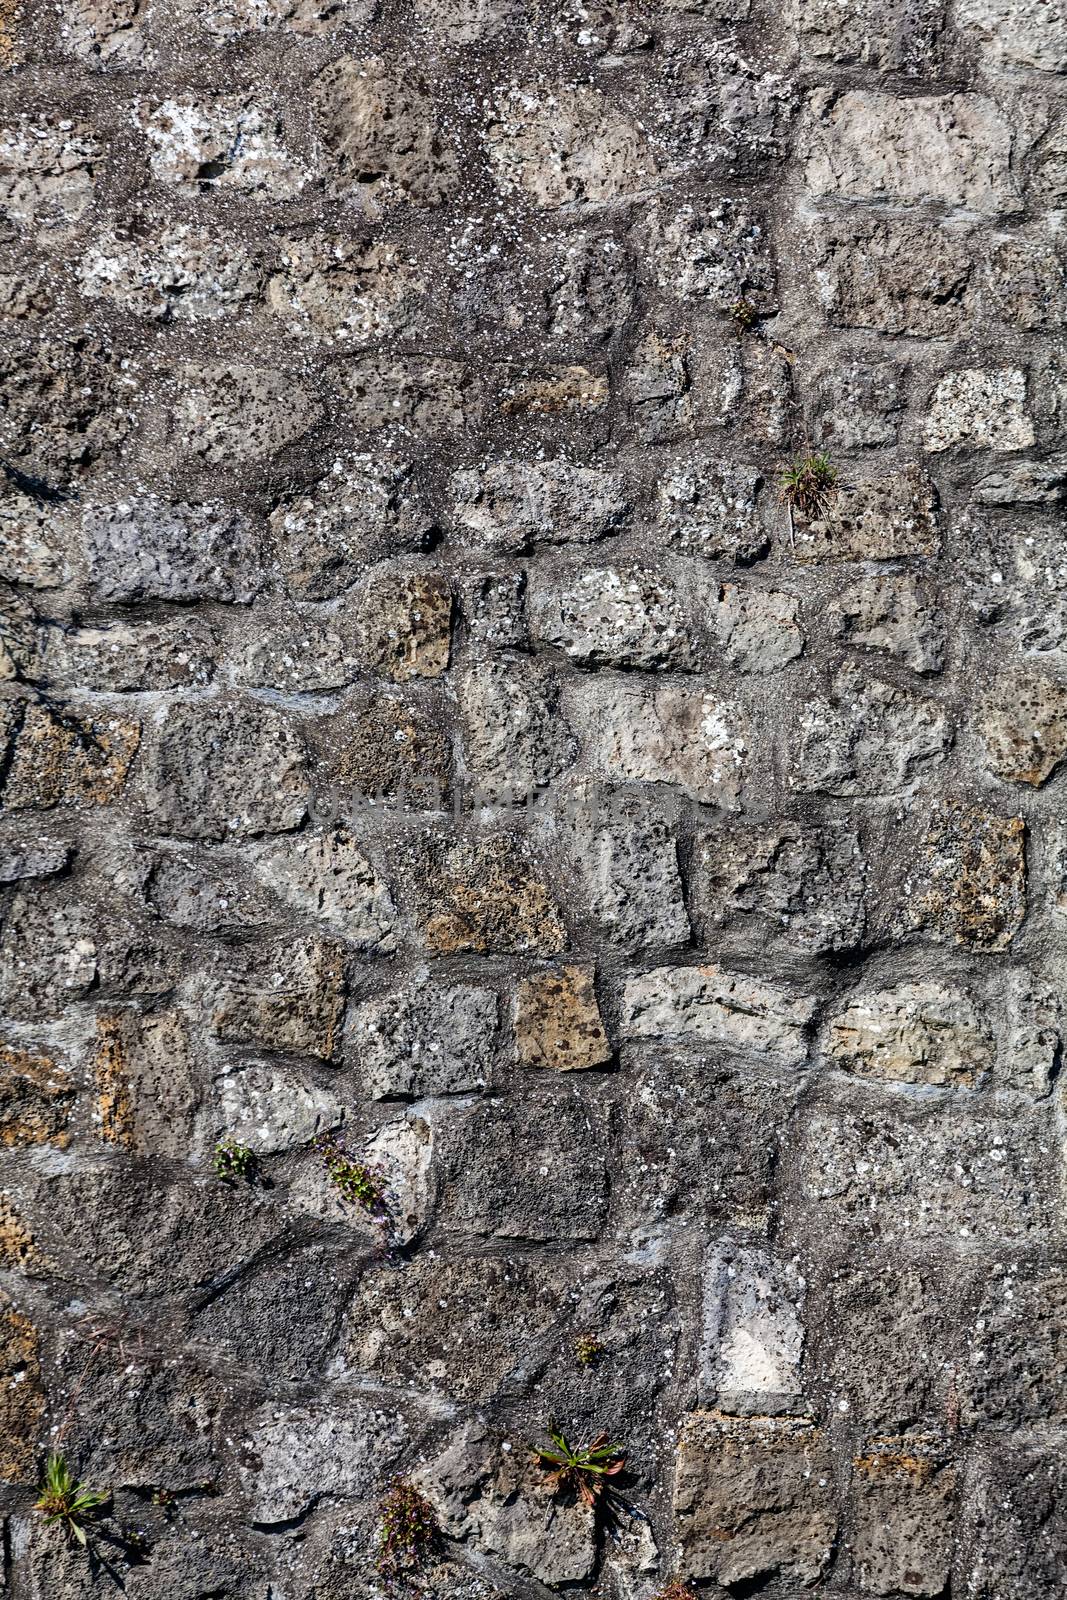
x=753, y=1335
x=289, y=999
x=507, y=507
x=558, y=1023
x=426, y=1038
x=914, y=1033
x=703, y=1006
x=779, y=886
x=948, y=150
x=224, y=768
x=753, y=1497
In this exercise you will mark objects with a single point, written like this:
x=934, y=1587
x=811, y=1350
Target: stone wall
x=425, y=723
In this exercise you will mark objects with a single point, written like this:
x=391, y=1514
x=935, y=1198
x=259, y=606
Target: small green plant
x=234, y=1161
x=808, y=483
x=355, y=1181
x=583, y=1468
x=745, y=315
x=407, y=1530
x=588, y=1350
x=61, y=1499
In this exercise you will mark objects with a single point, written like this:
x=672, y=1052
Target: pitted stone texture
x=48, y=173
x=874, y=519
x=717, y=251
x=485, y=895
x=565, y=146
x=892, y=275
x=145, y=1084
x=186, y=274
x=383, y=138
x=404, y=623
x=228, y=19
x=232, y=143
x=558, y=1023
x=69, y=760
x=363, y=510
x=753, y=1335
x=33, y=542
x=854, y=404
x=758, y=628
x=507, y=507
x=22, y=1395
x=36, y=1099
x=390, y=744
x=677, y=735
x=516, y=739
x=1023, y=725
x=978, y=409
x=1018, y=1521
x=293, y=1457
x=614, y=616
x=108, y=32
x=426, y=1038
x=231, y=413
x=702, y=1006
x=327, y=877
x=716, y=107
x=500, y=1312
x=708, y=508
x=916, y=1033
x=858, y=1321
x=932, y=1175
x=753, y=1497
x=905, y=1489
x=967, y=882
x=868, y=737
x=122, y=657
x=947, y=150
x=711, y=1136
x=895, y=615
x=288, y=998
x=224, y=768
x=898, y=36
x=345, y=293
x=494, y=1182
x=781, y=885
x=621, y=849
x=1016, y=1369
x=154, y=550
x=1018, y=34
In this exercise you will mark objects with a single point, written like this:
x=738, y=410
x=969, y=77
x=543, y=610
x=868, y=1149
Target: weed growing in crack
x=588, y=1350
x=807, y=485
x=745, y=315
x=235, y=1162
x=407, y=1531
x=355, y=1181
x=583, y=1469
x=62, y=1499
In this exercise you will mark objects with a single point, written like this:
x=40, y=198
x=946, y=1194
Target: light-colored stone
x=706, y=1006
x=915, y=1033
x=328, y=878
x=426, y=1038
x=566, y=146
x=979, y=409
x=895, y=615
x=295, y=1456
x=946, y=150
x=271, y=1110
x=674, y=734
x=757, y=627
x=1023, y=725
x=753, y=1336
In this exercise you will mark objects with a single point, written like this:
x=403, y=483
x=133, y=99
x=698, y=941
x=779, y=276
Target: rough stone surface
x=618, y=900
